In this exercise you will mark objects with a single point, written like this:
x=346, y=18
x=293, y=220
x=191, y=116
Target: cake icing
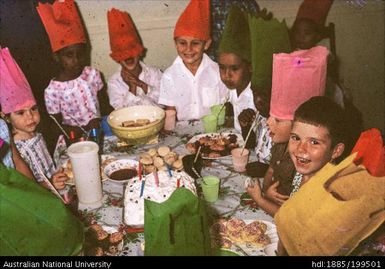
x=134, y=205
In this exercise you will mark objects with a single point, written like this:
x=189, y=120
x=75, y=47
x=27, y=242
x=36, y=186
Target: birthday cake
x=154, y=190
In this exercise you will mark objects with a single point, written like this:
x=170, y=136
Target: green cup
x=210, y=188
x=209, y=123
x=216, y=111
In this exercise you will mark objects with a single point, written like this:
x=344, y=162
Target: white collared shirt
x=119, y=92
x=243, y=101
x=192, y=96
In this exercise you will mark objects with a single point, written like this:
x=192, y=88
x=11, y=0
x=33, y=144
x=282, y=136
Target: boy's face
x=305, y=35
x=131, y=63
x=310, y=147
x=279, y=129
x=73, y=59
x=235, y=73
x=262, y=103
x=191, y=49
x=25, y=120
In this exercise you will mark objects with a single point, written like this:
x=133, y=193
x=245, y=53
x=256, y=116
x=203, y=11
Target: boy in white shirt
x=134, y=83
x=192, y=84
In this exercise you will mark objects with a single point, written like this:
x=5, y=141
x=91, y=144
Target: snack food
x=213, y=145
x=240, y=233
x=135, y=123
x=102, y=242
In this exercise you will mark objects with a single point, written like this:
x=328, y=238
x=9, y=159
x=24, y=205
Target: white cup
x=85, y=166
x=170, y=120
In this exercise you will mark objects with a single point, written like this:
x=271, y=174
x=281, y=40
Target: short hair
x=323, y=111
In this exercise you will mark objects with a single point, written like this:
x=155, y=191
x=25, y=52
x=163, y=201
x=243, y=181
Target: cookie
x=162, y=151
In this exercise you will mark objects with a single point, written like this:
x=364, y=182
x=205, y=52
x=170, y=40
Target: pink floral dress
x=77, y=99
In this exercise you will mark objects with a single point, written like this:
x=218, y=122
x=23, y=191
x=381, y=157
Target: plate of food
x=122, y=170
x=245, y=237
x=102, y=240
x=214, y=145
x=67, y=166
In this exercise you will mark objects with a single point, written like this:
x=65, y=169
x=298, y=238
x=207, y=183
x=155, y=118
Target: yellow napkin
x=333, y=212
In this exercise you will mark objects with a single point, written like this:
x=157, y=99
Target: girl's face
x=191, y=49
x=131, y=63
x=73, y=59
x=310, y=148
x=26, y=120
x=279, y=129
x=235, y=73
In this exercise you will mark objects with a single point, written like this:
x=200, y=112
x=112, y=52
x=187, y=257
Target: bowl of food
x=137, y=125
x=121, y=170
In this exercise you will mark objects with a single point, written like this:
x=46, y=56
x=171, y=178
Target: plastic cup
x=85, y=166
x=209, y=123
x=210, y=188
x=220, y=115
x=106, y=128
x=240, y=161
x=169, y=123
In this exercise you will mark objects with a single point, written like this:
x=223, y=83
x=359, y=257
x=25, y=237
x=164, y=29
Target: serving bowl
x=141, y=134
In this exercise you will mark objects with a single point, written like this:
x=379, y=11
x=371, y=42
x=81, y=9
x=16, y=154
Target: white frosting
x=134, y=205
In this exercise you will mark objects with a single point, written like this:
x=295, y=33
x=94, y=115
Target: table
x=228, y=204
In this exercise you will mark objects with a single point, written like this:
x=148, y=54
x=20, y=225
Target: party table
x=229, y=203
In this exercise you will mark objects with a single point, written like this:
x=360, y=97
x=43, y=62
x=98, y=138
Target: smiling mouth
x=302, y=160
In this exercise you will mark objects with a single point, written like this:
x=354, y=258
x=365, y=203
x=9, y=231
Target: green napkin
x=34, y=222
x=177, y=226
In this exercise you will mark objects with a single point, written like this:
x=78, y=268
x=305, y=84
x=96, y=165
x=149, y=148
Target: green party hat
x=236, y=36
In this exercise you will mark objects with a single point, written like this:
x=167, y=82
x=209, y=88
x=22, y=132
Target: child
x=20, y=110
x=318, y=136
x=9, y=156
x=72, y=96
x=192, y=84
x=234, y=62
x=288, y=92
x=134, y=83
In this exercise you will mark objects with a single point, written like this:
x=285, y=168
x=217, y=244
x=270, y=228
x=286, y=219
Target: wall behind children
x=359, y=39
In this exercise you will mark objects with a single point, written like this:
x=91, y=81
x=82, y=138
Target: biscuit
x=146, y=160
x=142, y=122
x=162, y=151
x=170, y=158
x=235, y=224
x=178, y=165
x=158, y=162
x=128, y=123
x=150, y=169
x=152, y=152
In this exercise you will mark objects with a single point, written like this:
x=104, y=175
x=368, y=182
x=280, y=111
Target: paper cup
x=209, y=123
x=210, y=188
x=240, y=161
x=170, y=120
x=221, y=116
x=85, y=166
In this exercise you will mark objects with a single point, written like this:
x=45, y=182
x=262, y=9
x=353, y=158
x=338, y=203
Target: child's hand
x=133, y=81
x=246, y=117
x=273, y=194
x=255, y=191
x=59, y=179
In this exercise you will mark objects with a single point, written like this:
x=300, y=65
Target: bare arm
x=20, y=164
x=256, y=194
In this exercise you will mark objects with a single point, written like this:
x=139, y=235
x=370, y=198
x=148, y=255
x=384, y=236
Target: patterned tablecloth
x=228, y=205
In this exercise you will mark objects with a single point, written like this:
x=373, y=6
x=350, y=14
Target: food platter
x=215, y=145
x=239, y=236
x=105, y=159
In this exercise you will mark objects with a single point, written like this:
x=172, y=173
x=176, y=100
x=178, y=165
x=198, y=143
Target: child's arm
x=133, y=81
x=20, y=164
x=272, y=194
x=256, y=194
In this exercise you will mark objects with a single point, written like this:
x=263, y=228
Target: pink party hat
x=297, y=77
x=15, y=92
